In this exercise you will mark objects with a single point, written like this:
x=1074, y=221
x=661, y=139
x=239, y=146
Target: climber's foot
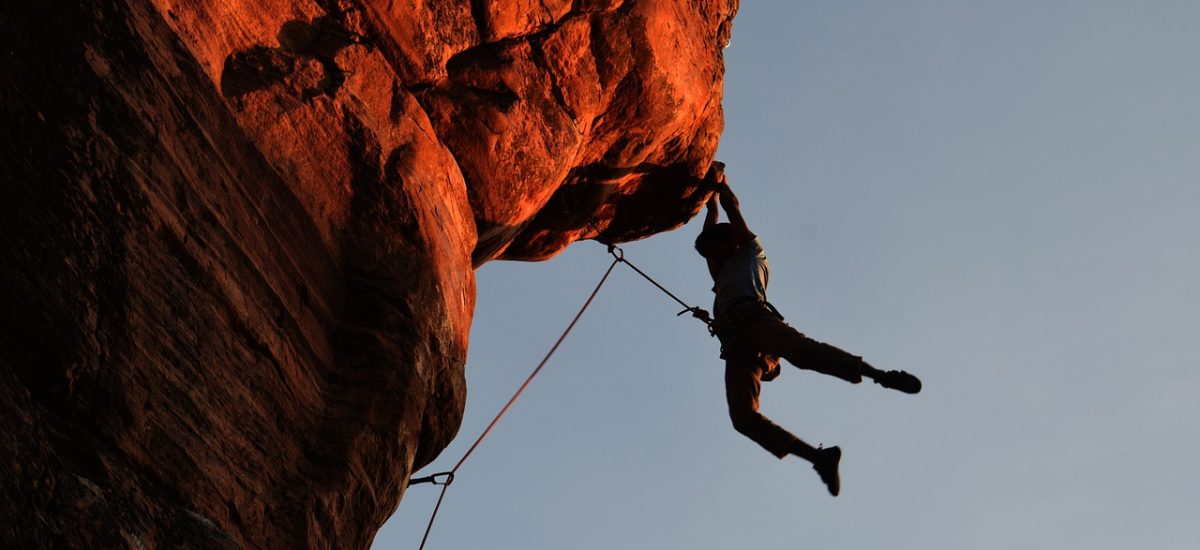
x=826, y=464
x=899, y=380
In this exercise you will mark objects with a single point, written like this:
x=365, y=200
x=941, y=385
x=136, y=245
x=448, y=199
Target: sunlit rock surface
x=238, y=238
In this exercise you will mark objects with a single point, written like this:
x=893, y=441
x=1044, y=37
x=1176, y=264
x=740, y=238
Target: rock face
x=238, y=238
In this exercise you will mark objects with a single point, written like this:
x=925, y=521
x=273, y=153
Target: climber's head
x=716, y=242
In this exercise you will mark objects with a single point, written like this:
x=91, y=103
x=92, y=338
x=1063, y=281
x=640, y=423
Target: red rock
x=239, y=238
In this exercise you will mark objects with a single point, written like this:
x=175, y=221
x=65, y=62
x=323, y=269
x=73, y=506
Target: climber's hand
x=728, y=200
x=716, y=175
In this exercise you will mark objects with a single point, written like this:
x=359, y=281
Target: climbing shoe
x=826, y=464
x=900, y=381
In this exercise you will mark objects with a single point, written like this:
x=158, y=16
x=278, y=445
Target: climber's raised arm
x=741, y=232
x=715, y=174
x=713, y=215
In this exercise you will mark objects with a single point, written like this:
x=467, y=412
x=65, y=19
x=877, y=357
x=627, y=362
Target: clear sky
x=1002, y=197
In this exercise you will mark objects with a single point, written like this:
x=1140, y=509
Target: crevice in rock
x=539, y=34
x=490, y=59
x=479, y=14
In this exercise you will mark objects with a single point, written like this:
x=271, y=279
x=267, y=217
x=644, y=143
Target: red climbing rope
x=618, y=257
x=450, y=475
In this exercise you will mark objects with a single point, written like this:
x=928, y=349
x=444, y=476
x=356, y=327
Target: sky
x=998, y=196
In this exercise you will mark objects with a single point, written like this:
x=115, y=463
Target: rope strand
x=618, y=257
x=511, y=400
x=696, y=311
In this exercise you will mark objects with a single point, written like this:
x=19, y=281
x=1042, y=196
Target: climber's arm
x=710, y=218
x=741, y=232
x=712, y=181
x=716, y=173
x=713, y=215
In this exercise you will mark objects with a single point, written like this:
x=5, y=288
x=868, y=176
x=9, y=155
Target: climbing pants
x=744, y=367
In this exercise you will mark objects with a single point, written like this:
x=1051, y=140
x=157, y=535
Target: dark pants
x=748, y=352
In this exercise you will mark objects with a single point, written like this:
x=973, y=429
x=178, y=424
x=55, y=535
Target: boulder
x=238, y=238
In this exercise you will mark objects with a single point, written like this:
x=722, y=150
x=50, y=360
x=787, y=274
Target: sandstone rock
x=238, y=238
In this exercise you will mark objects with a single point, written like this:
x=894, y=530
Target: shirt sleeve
x=756, y=248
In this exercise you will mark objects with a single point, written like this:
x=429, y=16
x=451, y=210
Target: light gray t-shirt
x=744, y=276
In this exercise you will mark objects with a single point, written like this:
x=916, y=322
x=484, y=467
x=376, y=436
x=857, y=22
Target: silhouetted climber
x=754, y=336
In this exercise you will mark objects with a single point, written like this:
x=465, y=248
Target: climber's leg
x=773, y=336
x=742, y=386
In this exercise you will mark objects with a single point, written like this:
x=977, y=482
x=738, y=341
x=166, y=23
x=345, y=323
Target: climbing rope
x=445, y=479
x=696, y=312
x=448, y=477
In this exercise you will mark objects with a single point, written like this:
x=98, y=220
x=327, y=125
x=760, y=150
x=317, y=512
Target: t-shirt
x=744, y=276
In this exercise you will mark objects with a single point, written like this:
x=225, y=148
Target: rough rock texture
x=237, y=238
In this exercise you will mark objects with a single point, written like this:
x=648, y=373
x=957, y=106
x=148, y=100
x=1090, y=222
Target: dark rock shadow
x=664, y=196
x=261, y=67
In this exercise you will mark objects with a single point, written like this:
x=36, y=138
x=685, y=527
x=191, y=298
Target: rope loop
x=616, y=252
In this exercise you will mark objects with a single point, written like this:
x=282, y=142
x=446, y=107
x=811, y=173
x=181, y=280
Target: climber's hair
x=713, y=236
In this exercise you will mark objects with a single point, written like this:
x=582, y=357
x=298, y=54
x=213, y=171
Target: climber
x=754, y=336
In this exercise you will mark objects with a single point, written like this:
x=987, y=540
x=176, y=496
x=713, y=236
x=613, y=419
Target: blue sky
x=998, y=196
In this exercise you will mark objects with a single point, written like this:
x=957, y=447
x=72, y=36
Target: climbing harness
x=445, y=479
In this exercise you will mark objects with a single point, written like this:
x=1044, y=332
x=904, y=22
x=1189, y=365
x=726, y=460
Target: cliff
x=237, y=238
